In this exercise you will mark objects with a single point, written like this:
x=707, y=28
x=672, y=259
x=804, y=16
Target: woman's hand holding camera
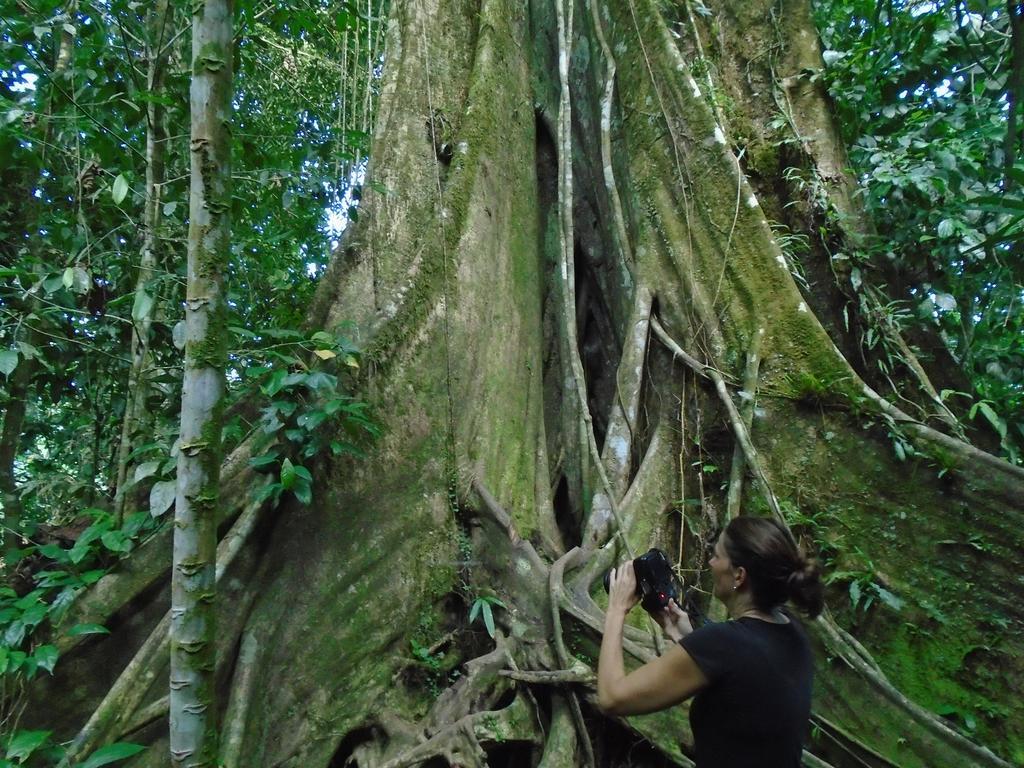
x=622, y=592
x=674, y=622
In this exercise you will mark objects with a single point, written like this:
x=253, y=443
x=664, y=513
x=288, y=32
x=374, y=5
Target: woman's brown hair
x=776, y=566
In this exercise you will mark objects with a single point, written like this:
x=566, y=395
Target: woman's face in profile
x=721, y=571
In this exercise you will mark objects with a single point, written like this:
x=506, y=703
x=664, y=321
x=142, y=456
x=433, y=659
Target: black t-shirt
x=754, y=711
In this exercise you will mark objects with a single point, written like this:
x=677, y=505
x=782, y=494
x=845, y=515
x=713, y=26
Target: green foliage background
x=921, y=90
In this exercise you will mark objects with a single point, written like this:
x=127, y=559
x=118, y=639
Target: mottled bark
x=193, y=712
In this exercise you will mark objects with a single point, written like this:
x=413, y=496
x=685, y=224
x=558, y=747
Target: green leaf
x=997, y=203
x=268, y=490
x=24, y=743
x=116, y=541
x=993, y=418
x=111, y=754
x=161, y=497
x=120, y=189
x=146, y=469
x=53, y=283
x=46, y=657
x=92, y=576
x=475, y=610
x=17, y=659
x=143, y=306
x=87, y=629
x=488, y=619
x=15, y=634
x=888, y=597
x=287, y=474
x=27, y=350
x=8, y=361
x=304, y=473
x=854, y=593
x=901, y=451
x=263, y=461
x=34, y=615
x=274, y=384
x=310, y=421
x=303, y=491
x=178, y=335
x=82, y=281
x=169, y=208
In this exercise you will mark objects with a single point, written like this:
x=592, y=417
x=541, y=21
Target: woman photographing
x=750, y=676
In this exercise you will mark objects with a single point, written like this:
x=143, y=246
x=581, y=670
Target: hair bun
x=805, y=587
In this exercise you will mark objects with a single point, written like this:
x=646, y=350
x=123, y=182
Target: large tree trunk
x=557, y=312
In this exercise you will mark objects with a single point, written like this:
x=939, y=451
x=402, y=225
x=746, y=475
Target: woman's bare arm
x=660, y=683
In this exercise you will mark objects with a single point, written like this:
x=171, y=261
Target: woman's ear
x=740, y=576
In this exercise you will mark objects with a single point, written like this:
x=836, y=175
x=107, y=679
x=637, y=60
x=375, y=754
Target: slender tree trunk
x=1014, y=88
x=14, y=417
x=193, y=711
x=156, y=150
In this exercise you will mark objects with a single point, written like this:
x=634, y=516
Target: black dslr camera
x=656, y=584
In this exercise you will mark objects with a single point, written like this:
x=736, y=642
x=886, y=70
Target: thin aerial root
x=813, y=761
x=579, y=674
x=739, y=429
x=555, y=590
x=238, y=701
x=555, y=593
x=748, y=397
x=481, y=687
x=618, y=442
x=648, y=477
x=570, y=341
x=124, y=695
x=561, y=744
x=960, y=448
x=853, y=747
x=497, y=513
x=461, y=742
x=611, y=187
x=551, y=541
x=580, y=605
x=145, y=716
x=583, y=737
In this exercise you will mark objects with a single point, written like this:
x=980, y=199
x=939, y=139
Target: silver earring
x=735, y=587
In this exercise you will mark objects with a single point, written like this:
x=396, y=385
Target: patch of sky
x=337, y=215
x=24, y=81
x=919, y=9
